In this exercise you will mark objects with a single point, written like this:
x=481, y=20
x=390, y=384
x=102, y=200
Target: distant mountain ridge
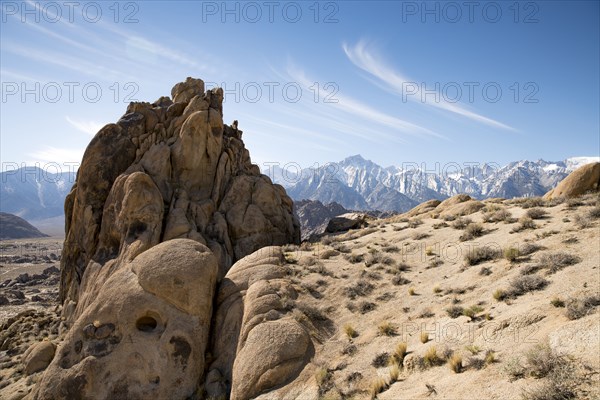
x=33, y=193
x=13, y=227
x=360, y=184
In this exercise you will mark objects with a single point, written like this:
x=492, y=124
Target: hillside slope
x=13, y=227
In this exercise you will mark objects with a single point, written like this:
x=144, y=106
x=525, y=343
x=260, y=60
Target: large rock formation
x=580, y=181
x=167, y=170
x=165, y=201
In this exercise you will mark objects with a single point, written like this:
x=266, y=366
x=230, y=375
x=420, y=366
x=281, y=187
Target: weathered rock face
x=580, y=181
x=167, y=170
x=145, y=331
x=258, y=344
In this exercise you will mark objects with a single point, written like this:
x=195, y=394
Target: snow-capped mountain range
x=33, y=193
x=357, y=184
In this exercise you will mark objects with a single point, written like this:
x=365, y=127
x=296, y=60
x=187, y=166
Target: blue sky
x=395, y=81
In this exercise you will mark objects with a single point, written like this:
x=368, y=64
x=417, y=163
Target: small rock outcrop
x=168, y=170
x=347, y=221
x=584, y=179
x=38, y=356
x=254, y=321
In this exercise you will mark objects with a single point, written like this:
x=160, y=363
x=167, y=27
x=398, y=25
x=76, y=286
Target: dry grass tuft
x=386, y=328
x=377, y=386
x=455, y=363
x=424, y=337
x=350, y=331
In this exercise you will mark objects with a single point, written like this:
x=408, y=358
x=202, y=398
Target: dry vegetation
x=383, y=301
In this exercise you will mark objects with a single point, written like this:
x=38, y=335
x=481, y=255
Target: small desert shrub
x=578, y=308
x=398, y=280
x=455, y=363
x=328, y=253
x=583, y=221
x=514, y=369
x=449, y=217
x=390, y=248
x=426, y=313
x=366, y=306
x=455, y=311
x=437, y=289
x=386, y=328
x=557, y=302
x=485, y=271
x=354, y=258
x=349, y=350
x=377, y=386
x=511, y=254
x=529, y=248
x=499, y=294
x=436, y=262
x=556, y=261
x=594, y=213
x=480, y=254
x=429, y=251
x=400, y=352
x=420, y=235
x=412, y=291
x=403, y=267
x=462, y=223
x=413, y=223
x=525, y=284
x=350, y=331
x=360, y=288
x=378, y=258
x=541, y=360
x=530, y=269
x=497, y=216
x=380, y=360
x=424, y=337
x=525, y=222
x=472, y=311
x=473, y=349
x=471, y=232
x=533, y=202
x=431, y=357
x=439, y=225
x=574, y=203
x=536, y=213
x=313, y=313
x=490, y=357
x=321, y=376
x=342, y=248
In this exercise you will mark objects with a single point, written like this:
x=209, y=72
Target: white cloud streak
x=360, y=56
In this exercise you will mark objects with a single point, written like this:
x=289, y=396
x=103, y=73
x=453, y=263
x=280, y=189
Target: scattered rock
x=348, y=221
x=38, y=356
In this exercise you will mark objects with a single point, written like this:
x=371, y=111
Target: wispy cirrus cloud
x=56, y=155
x=361, y=56
x=361, y=113
x=88, y=127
